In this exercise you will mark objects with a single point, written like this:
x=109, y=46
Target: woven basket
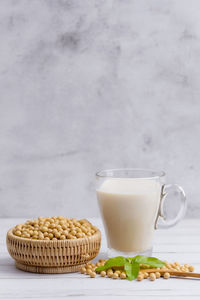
x=61, y=256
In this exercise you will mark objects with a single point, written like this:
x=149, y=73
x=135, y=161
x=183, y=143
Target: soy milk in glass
x=130, y=202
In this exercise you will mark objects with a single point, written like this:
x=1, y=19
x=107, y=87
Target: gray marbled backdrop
x=88, y=85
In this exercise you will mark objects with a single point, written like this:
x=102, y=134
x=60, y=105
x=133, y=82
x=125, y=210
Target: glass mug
x=131, y=202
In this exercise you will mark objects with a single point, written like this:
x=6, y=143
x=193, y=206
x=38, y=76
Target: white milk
x=129, y=208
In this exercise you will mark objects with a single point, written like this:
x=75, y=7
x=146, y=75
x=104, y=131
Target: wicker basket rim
x=35, y=241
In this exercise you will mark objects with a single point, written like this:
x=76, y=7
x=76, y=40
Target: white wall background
x=88, y=85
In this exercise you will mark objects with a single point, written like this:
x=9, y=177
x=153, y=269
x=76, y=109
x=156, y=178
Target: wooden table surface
x=181, y=243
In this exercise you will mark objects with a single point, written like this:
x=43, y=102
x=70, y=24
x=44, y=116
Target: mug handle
x=166, y=190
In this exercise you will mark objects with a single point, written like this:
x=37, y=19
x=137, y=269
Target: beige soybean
x=140, y=277
x=109, y=273
x=123, y=275
x=92, y=274
x=191, y=268
x=83, y=270
x=166, y=275
x=88, y=271
x=115, y=275
x=157, y=274
x=152, y=276
x=103, y=273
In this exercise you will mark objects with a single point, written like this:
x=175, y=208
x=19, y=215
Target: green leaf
x=131, y=265
x=151, y=261
x=117, y=261
x=132, y=269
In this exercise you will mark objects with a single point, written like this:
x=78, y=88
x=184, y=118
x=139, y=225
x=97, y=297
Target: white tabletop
x=181, y=243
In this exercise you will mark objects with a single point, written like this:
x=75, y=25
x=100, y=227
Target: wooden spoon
x=172, y=272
